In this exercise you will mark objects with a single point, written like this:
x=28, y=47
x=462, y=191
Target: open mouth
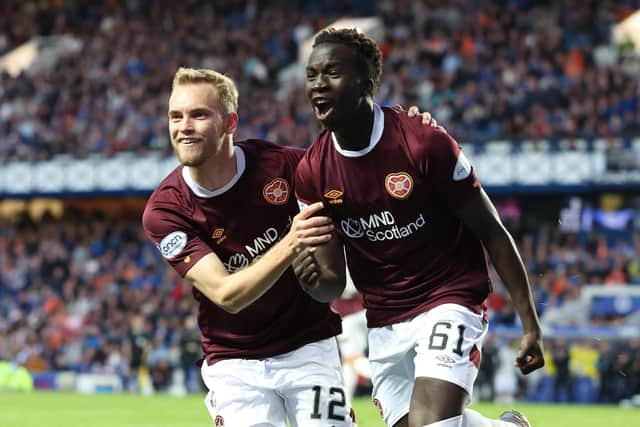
x=188, y=141
x=323, y=108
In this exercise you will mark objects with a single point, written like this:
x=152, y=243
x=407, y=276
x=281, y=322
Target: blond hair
x=226, y=88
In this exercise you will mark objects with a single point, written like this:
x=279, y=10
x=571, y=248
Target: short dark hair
x=368, y=55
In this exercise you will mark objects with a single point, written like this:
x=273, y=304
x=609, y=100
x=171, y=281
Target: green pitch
x=40, y=409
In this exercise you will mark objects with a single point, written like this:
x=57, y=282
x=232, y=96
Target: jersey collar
x=376, y=134
x=200, y=191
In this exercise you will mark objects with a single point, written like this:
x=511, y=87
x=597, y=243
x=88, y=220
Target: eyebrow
x=192, y=110
x=327, y=64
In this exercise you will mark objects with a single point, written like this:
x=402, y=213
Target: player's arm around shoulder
x=233, y=292
x=425, y=117
x=481, y=217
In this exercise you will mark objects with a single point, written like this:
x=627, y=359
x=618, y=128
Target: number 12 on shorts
x=336, y=400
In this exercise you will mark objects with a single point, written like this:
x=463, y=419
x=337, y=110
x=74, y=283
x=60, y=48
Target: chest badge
x=276, y=191
x=399, y=185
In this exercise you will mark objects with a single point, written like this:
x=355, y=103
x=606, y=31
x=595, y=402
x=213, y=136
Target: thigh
x=447, y=360
x=237, y=396
x=391, y=357
x=435, y=400
x=449, y=347
x=311, y=383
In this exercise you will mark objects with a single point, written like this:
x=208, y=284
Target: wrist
x=533, y=330
x=290, y=245
x=530, y=321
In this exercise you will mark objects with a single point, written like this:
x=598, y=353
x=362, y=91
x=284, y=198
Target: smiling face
x=197, y=122
x=334, y=85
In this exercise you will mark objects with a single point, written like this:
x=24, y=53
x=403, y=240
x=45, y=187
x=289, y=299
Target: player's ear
x=366, y=86
x=232, y=123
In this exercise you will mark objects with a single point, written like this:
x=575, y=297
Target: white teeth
x=323, y=106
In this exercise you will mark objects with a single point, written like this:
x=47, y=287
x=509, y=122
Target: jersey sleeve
x=174, y=236
x=451, y=173
x=441, y=161
x=305, y=186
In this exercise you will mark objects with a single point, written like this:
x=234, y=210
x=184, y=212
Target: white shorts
x=303, y=386
x=443, y=343
x=353, y=339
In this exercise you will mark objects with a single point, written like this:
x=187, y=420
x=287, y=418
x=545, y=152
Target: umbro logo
x=218, y=235
x=445, y=359
x=334, y=196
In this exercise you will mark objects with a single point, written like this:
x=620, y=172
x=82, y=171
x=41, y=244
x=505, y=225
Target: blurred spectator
x=190, y=345
x=622, y=381
x=606, y=370
x=506, y=376
x=490, y=362
x=161, y=375
x=563, y=381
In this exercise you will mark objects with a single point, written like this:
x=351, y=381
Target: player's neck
x=218, y=170
x=357, y=134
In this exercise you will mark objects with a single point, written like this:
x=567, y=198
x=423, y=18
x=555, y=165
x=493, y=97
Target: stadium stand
x=527, y=70
x=82, y=292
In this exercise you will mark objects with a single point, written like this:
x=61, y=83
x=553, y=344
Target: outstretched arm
x=234, y=292
x=481, y=217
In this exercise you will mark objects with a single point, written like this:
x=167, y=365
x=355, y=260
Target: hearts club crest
x=399, y=185
x=276, y=191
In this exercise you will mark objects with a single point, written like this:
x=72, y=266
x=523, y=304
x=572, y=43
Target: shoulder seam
x=405, y=147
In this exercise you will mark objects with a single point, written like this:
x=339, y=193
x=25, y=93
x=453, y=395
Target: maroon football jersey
x=239, y=223
x=393, y=204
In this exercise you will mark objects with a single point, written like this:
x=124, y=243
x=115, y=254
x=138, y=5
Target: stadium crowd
x=485, y=69
x=91, y=295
